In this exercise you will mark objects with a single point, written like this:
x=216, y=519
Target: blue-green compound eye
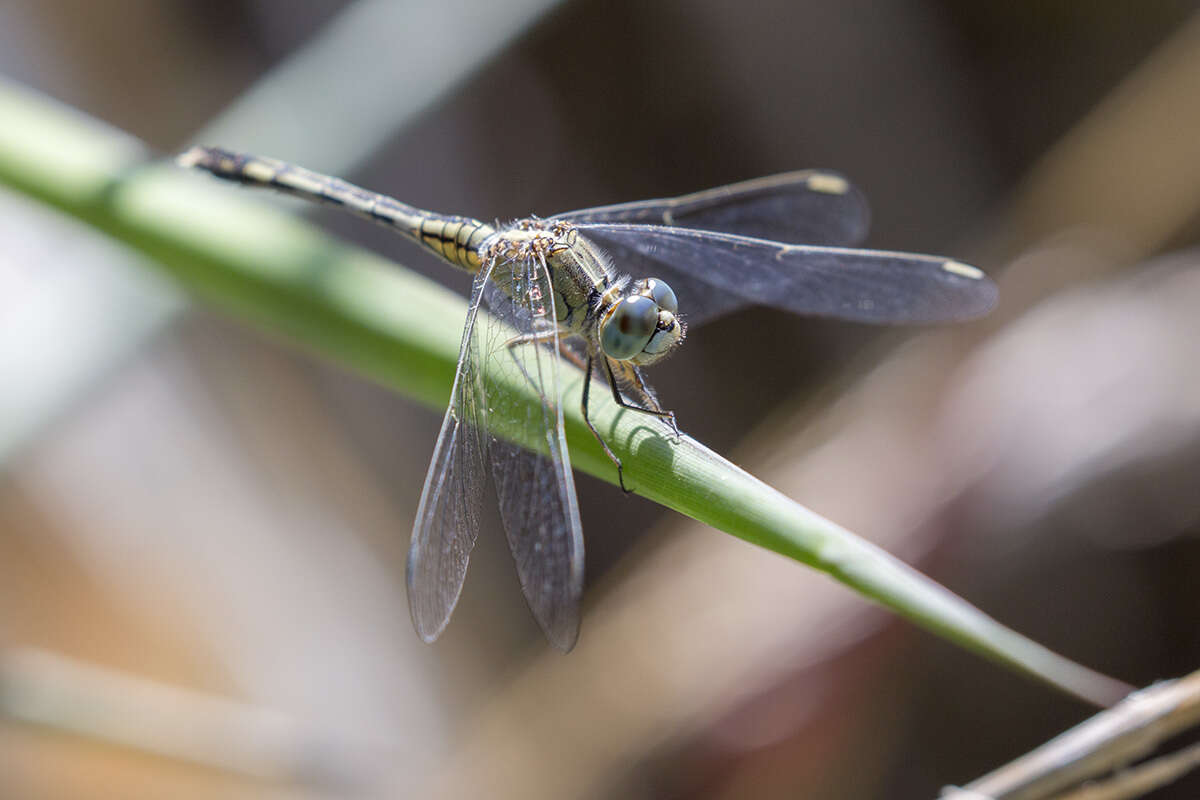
x=629, y=327
x=661, y=294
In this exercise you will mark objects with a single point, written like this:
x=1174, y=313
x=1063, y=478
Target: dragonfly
x=559, y=289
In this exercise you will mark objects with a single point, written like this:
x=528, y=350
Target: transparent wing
x=447, y=523
x=536, y=489
x=713, y=273
x=806, y=207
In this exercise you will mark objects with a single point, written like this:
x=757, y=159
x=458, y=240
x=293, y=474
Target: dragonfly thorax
x=641, y=327
x=527, y=239
x=634, y=322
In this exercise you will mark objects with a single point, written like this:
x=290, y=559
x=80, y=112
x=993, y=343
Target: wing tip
x=564, y=637
x=965, y=270
x=429, y=616
x=429, y=626
x=986, y=289
x=428, y=630
x=827, y=183
x=982, y=292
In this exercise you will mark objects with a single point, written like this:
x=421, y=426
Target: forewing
x=447, y=522
x=713, y=273
x=536, y=489
x=815, y=207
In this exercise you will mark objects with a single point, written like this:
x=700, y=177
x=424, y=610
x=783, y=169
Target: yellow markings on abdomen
x=451, y=247
x=454, y=239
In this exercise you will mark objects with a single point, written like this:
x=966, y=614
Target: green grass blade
x=403, y=331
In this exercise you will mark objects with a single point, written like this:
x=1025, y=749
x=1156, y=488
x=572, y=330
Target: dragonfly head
x=641, y=327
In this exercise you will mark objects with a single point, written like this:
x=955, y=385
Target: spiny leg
x=668, y=416
x=587, y=382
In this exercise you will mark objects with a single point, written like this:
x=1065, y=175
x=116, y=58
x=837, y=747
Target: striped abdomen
x=450, y=238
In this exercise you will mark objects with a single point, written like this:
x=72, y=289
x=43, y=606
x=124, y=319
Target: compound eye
x=662, y=294
x=628, y=327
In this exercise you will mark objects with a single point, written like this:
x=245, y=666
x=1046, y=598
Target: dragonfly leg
x=574, y=358
x=667, y=416
x=587, y=382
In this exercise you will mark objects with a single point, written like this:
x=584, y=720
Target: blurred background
x=203, y=530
